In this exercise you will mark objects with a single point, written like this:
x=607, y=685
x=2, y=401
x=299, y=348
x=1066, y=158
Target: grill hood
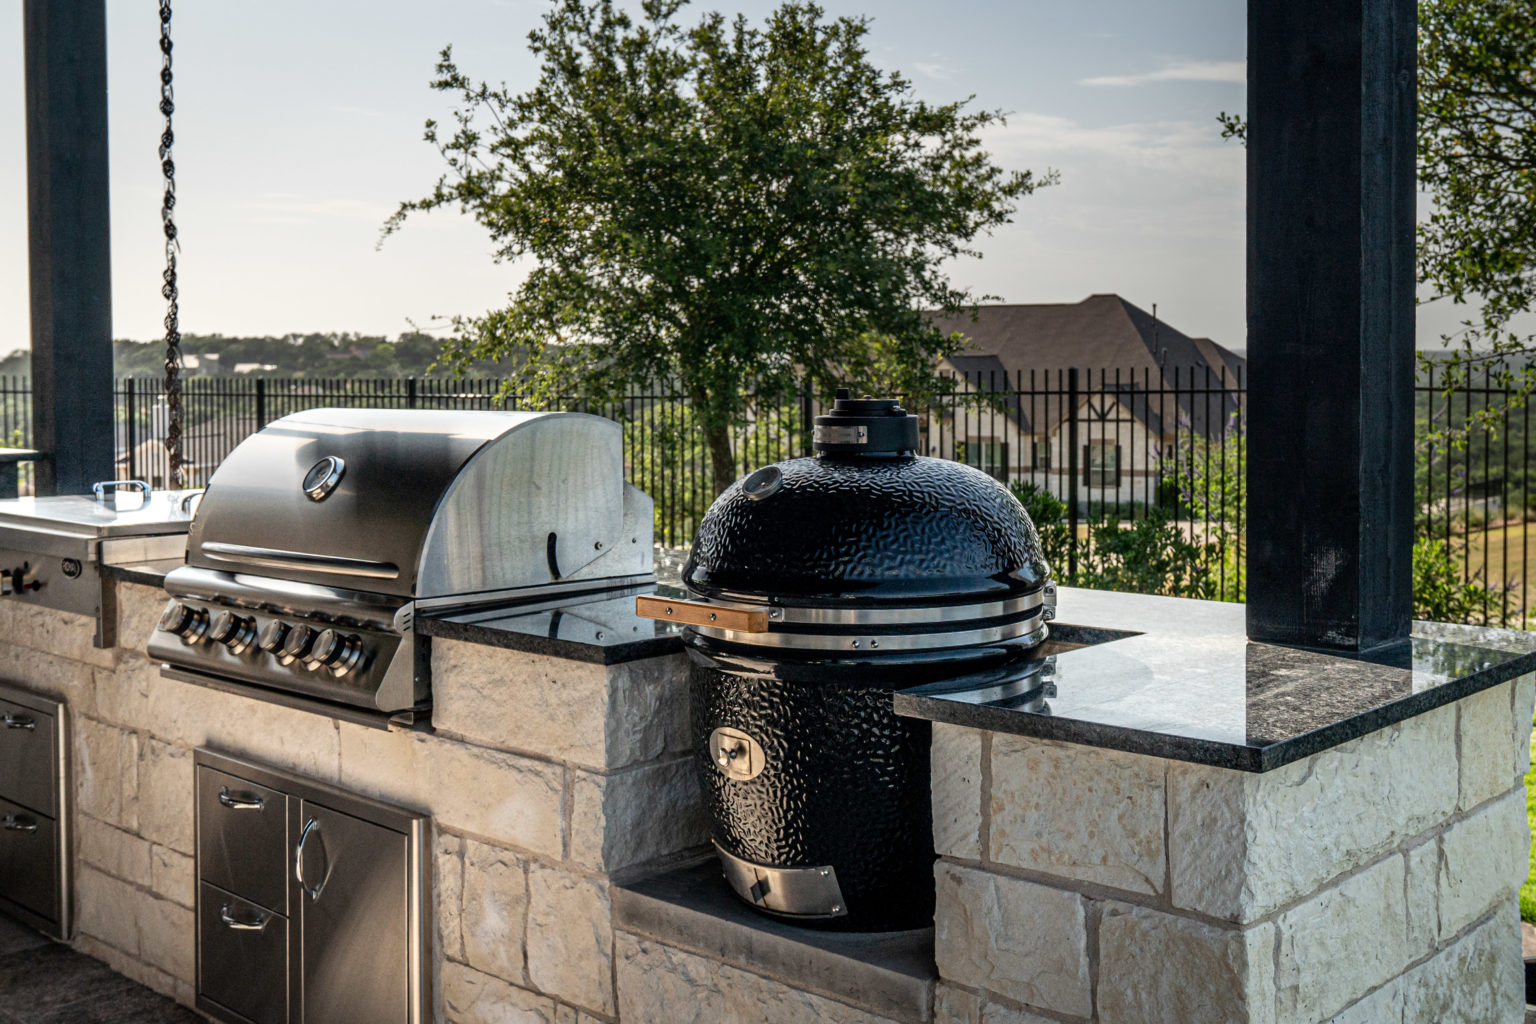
x=419, y=503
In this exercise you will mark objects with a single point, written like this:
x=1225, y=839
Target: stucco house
x=1142, y=386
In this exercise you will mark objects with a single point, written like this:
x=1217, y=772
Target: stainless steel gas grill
x=324, y=535
x=53, y=550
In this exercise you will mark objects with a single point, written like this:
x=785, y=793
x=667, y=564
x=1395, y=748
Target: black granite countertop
x=1180, y=680
x=604, y=630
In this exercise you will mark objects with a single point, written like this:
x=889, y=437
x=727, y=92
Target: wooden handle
x=693, y=613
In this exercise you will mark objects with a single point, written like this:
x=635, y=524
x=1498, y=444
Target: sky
x=299, y=130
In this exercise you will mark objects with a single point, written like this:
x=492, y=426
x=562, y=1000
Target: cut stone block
x=661, y=984
x=955, y=764
x=448, y=873
x=120, y=854
x=166, y=795
x=1236, y=844
x=1080, y=812
x=1479, y=980
x=490, y=793
x=1024, y=941
x=470, y=997
x=636, y=815
x=1155, y=968
x=1485, y=744
x=1483, y=862
x=494, y=909
x=570, y=938
x=1341, y=944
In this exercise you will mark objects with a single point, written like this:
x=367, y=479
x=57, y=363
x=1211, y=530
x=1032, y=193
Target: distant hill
x=294, y=355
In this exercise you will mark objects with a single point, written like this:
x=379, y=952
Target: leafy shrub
x=1440, y=593
x=1148, y=556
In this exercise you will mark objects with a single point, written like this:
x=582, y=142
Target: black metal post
x=807, y=426
x=131, y=429
x=70, y=254
x=1073, y=398
x=261, y=402
x=1331, y=109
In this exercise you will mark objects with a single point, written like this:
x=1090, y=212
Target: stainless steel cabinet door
x=29, y=859
x=28, y=761
x=354, y=919
x=243, y=961
x=242, y=838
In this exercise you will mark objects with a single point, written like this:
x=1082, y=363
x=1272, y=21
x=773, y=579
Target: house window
x=991, y=457
x=1101, y=464
x=1041, y=455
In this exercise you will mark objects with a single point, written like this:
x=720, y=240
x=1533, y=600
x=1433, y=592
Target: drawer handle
x=255, y=923
x=18, y=823
x=15, y=721
x=240, y=801
x=298, y=861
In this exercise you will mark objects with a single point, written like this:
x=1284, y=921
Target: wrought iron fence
x=1135, y=478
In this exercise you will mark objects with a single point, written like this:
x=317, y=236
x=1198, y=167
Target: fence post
x=261, y=402
x=410, y=392
x=806, y=426
x=130, y=431
x=1072, y=472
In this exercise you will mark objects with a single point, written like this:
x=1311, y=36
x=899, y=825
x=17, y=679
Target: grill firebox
x=322, y=537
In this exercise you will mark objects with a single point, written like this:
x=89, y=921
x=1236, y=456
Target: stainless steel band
x=972, y=624
x=1029, y=630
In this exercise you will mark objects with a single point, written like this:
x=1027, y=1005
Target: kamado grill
x=817, y=587
x=322, y=537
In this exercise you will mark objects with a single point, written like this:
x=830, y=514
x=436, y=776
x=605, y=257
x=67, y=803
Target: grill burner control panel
x=331, y=649
x=322, y=658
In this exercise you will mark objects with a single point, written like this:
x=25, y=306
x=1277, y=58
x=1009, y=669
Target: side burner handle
x=107, y=489
x=697, y=613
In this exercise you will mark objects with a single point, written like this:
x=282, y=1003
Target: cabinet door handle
x=15, y=721
x=240, y=801
x=255, y=923
x=18, y=823
x=298, y=860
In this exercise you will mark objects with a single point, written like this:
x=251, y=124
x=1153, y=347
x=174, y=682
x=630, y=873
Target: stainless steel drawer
x=28, y=759
x=29, y=859
x=242, y=838
x=242, y=959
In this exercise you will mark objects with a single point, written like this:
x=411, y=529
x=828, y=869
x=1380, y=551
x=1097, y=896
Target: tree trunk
x=722, y=464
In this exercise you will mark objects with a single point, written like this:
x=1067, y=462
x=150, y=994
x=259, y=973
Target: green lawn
x=1502, y=555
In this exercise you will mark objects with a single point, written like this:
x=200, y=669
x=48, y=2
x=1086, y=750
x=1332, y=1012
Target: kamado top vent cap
x=877, y=427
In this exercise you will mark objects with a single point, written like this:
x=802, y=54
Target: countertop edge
x=570, y=650
x=1240, y=757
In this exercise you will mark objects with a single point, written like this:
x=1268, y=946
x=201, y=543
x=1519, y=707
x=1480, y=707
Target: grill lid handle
x=697, y=613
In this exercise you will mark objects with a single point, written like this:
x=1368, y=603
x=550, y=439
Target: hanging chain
x=168, y=289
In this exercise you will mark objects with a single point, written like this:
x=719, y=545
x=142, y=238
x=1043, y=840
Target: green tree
x=1477, y=161
x=722, y=207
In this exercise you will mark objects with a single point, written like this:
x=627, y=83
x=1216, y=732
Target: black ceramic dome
x=866, y=528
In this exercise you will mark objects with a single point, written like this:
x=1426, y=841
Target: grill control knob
x=337, y=650
x=184, y=621
x=233, y=631
x=299, y=641
x=272, y=635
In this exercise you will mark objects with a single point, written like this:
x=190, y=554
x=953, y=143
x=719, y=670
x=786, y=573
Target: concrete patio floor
x=44, y=982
